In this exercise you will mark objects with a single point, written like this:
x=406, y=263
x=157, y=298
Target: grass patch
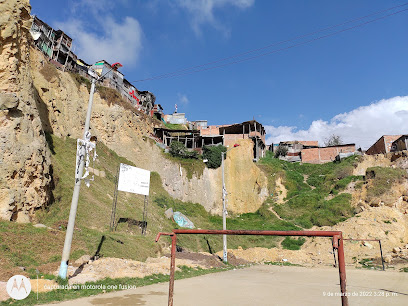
x=173, y=126
x=293, y=243
x=283, y=263
x=382, y=179
x=79, y=80
x=308, y=185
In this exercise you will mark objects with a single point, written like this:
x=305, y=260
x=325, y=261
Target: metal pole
x=115, y=200
x=172, y=267
x=224, y=211
x=342, y=270
x=382, y=258
x=75, y=196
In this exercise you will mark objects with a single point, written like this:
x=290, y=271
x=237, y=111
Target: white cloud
x=116, y=42
x=202, y=12
x=183, y=98
x=362, y=126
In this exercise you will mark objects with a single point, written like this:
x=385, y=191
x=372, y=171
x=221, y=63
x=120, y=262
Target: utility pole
x=74, y=204
x=224, y=206
x=79, y=167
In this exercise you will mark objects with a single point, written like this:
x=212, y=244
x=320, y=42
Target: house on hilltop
x=320, y=155
x=226, y=135
x=400, y=144
x=295, y=147
x=56, y=44
x=382, y=145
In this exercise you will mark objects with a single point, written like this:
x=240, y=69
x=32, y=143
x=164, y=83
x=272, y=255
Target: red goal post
x=337, y=238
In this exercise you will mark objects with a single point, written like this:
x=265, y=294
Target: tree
x=213, y=155
x=333, y=140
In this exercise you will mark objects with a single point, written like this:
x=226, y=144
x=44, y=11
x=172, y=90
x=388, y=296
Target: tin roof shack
x=325, y=154
x=400, y=144
x=246, y=130
x=43, y=36
x=190, y=138
x=382, y=145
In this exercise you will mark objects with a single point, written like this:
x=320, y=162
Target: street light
x=224, y=204
x=79, y=167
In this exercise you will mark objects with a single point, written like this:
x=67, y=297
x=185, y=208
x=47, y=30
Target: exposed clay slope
x=25, y=169
x=63, y=107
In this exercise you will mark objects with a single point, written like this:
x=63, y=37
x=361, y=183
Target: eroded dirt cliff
x=63, y=105
x=25, y=167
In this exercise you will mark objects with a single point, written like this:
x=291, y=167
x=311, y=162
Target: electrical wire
x=200, y=68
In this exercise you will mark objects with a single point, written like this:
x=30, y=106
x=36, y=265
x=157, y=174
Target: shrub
x=213, y=155
x=177, y=149
x=281, y=151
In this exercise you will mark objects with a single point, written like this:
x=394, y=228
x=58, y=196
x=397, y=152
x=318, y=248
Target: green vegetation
x=191, y=165
x=283, y=263
x=40, y=248
x=404, y=269
x=382, y=180
x=213, y=155
x=173, y=126
x=177, y=149
x=281, y=151
x=368, y=263
x=108, y=285
x=292, y=243
x=313, y=191
x=79, y=80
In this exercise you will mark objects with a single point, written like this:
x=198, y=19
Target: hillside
x=42, y=113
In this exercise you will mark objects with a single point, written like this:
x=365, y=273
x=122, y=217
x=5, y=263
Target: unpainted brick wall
x=324, y=155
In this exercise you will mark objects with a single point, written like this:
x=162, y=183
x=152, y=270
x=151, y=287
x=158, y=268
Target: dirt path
x=267, y=285
x=281, y=191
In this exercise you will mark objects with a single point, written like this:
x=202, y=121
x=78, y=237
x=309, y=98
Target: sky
x=303, y=69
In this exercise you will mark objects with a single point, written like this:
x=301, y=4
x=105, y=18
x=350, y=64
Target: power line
x=200, y=68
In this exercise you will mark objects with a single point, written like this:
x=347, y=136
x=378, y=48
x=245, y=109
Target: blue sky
x=353, y=84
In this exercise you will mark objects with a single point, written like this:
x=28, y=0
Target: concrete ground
x=267, y=285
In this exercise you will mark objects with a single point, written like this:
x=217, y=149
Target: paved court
x=268, y=285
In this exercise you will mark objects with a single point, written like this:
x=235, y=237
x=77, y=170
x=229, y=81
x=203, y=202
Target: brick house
x=400, y=144
x=325, y=154
x=382, y=145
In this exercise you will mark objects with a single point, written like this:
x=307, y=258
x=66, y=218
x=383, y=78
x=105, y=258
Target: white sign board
x=134, y=180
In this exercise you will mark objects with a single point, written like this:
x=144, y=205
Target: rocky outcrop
x=25, y=167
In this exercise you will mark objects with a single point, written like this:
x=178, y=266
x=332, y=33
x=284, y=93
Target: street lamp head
x=116, y=66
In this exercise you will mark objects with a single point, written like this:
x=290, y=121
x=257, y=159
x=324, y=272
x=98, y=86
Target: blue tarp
x=182, y=220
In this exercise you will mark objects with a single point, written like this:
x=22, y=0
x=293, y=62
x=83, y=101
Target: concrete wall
x=324, y=155
x=177, y=118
